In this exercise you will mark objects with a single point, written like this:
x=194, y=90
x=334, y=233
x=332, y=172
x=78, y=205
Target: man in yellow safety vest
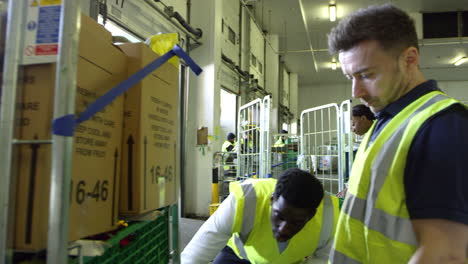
x=407, y=200
x=268, y=221
x=229, y=149
x=281, y=142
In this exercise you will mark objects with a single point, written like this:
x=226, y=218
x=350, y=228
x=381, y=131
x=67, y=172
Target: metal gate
x=347, y=139
x=265, y=138
x=224, y=172
x=253, y=137
x=320, y=145
x=285, y=156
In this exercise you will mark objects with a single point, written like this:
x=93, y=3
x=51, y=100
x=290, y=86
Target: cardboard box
x=150, y=135
x=97, y=144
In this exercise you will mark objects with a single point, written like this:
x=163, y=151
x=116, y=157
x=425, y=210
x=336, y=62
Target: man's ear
x=411, y=57
x=272, y=199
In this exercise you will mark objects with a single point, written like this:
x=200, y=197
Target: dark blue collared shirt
x=436, y=173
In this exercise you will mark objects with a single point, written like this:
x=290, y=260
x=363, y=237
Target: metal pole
x=64, y=104
x=13, y=50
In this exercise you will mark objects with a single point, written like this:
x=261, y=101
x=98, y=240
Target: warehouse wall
x=293, y=101
x=257, y=53
x=320, y=94
x=85, y=4
x=203, y=107
x=285, y=87
x=272, y=77
x=456, y=89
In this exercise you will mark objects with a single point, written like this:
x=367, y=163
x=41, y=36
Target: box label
x=42, y=32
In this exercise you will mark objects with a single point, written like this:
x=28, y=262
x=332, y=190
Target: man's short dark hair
x=391, y=27
x=362, y=110
x=230, y=136
x=284, y=131
x=299, y=188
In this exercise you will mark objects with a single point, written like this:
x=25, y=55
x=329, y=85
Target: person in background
x=229, y=149
x=362, y=119
x=268, y=221
x=230, y=143
x=281, y=140
x=407, y=200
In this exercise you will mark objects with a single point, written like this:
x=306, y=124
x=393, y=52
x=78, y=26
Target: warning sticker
x=50, y=2
x=42, y=31
x=48, y=29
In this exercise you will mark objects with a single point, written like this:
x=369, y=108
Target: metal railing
x=346, y=141
x=320, y=145
x=253, y=137
x=225, y=165
x=285, y=156
x=61, y=146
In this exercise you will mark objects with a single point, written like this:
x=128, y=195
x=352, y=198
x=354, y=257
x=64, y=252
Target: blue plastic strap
x=181, y=54
x=65, y=125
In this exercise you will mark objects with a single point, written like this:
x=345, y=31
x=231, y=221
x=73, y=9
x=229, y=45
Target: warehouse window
x=253, y=61
x=260, y=67
x=117, y=30
x=232, y=36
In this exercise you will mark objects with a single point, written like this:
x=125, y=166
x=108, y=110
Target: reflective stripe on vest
x=240, y=246
x=248, y=218
x=327, y=222
x=377, y=223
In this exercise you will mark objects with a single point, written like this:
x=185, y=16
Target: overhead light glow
x=333, y=65
x=332, y=12
x=460, y=61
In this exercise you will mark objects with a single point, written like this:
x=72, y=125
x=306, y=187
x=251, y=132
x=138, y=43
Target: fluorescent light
x=460, y=61
x=333, y=65
x=332, y=12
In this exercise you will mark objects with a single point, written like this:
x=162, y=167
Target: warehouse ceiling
x=303, y=25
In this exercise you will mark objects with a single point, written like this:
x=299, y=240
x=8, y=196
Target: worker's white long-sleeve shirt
x=214, y=234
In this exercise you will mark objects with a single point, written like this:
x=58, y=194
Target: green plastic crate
x=289, y=160
x=149, y=244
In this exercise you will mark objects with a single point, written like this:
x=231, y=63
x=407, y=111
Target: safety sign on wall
x=42, y=27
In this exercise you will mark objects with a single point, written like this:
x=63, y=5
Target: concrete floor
x=188, y=228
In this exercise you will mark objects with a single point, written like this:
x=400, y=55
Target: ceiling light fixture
x=333, y=65
x=332, y=12
x=460, y=61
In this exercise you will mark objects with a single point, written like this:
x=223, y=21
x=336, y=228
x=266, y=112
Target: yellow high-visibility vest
x=279, y=143
x=224, y=148
x=374, y=226
x=252, y=230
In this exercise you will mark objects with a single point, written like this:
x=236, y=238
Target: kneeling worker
x=268, y=221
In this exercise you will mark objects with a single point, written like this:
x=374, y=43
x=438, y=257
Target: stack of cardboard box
x=150, y=135
x=146, y=152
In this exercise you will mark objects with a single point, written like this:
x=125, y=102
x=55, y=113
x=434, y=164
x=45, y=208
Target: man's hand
x=342, y=194
x=440, y=241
